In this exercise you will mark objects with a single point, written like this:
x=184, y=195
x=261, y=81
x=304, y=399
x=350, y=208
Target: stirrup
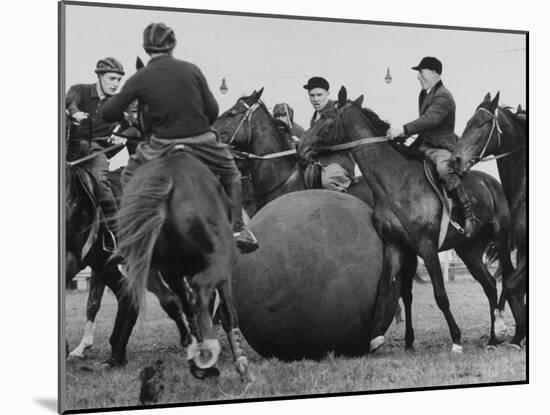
x=109, y=241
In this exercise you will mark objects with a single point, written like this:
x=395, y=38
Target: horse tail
x=141, y=217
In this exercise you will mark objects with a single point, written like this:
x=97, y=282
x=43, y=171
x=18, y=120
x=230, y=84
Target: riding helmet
x=158, y=38
x=109, y=65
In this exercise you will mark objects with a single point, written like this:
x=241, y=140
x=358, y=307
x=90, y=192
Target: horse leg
x=428, y=253
x=471, y=254
x=171, y=304
x=126, y=317
x=515, y=288
x=97, y=288
x=408, y=272
x=387, y=295
x=231, y=327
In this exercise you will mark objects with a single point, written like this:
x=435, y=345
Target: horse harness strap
x=247, y=115
x=355, y=143
x=94, y=154
x=245, y=155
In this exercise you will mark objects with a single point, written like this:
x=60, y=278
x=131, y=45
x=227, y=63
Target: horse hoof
x=74, y=357
x=211, y=372
x=457, y=348
x=513, y=346
x=377, y=343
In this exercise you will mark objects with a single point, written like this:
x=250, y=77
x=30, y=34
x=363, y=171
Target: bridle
x=495, y=127
x=247, y=117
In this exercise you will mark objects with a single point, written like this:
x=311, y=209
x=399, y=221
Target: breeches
x=205, y=147
x=441, y=158
x=335, y=177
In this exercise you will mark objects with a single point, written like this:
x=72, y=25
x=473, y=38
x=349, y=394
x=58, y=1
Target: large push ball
x=311, y=286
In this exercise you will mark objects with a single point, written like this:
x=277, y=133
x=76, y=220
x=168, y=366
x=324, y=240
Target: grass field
x=431, y=364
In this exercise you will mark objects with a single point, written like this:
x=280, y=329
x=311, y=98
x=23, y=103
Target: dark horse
x=494, y=130
x=173, y=221
x=275, y=169
x=267, y=154
x=407, y=212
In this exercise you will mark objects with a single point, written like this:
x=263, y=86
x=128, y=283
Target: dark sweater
x=179, y=102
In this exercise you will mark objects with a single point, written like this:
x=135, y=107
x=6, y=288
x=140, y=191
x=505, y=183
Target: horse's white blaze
x=86, y=342
x=457, y=348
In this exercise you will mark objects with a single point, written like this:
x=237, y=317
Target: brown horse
x=174, y=222
x=497, y=131
x=407, y=212
x=274, y=169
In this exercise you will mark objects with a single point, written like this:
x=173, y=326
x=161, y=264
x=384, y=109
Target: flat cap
x=316, y=82
x=429, y=62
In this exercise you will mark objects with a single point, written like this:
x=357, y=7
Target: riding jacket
x=185, y=111
x=436, y=123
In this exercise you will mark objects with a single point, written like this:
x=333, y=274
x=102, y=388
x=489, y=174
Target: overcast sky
x=281, y=54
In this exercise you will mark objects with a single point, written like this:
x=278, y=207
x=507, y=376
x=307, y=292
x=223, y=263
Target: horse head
x=337, y=125
x=249, y=127
x=482, y=134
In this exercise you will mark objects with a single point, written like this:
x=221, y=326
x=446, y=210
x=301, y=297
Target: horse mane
x=519, y=118
x=377, y=125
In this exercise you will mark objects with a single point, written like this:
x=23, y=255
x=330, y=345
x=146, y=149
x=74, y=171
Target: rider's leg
x=335, y=177
x=99, y=165
x=441, y=158
x=218, y=158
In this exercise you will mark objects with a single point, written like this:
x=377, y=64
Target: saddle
x=87, y=182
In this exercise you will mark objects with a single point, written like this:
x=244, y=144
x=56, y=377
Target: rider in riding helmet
x=83, y=106
x=181, y=109
x=435, y=128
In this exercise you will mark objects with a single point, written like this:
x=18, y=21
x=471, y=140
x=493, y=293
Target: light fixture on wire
x=223, y=87
x=388, y=77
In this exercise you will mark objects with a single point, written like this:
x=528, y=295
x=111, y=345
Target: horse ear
x=359, y=100
x=259, y=93
x=519, y=108
x=342, y=96
x=494, y=102
x=487, y=97
x=139, y=63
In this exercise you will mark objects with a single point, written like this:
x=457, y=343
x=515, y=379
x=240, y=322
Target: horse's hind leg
x=97, y=288
x=471, y=254
x=170, y=303
x=231, y=327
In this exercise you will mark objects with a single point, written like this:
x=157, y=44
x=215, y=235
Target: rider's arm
x=211, y=108
x=73, y=99
x=113, y=110
x=442, y=105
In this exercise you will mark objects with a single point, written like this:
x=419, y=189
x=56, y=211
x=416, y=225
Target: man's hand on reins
x=79, y=116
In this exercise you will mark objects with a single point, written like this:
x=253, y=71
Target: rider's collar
x=101, y=95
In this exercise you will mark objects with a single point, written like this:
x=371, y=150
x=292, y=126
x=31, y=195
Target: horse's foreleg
x=471, y=254
x=127, y=313
x=97, y=288
x=408, y=272
x=387, y=295
x=428, y=253
x=231, y=327
x=515, y=288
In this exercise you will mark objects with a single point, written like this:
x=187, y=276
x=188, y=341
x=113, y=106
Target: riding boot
x=109, y=210
x=466, y=205
x=246, y=241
